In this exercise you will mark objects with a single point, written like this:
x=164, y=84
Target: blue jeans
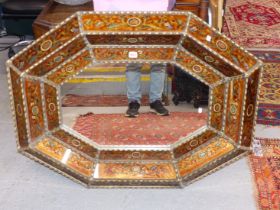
x=133, y=76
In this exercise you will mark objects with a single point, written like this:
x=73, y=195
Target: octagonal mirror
x=97, y=146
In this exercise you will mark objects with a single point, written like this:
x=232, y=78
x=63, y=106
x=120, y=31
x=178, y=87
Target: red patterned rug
x=266, y=174
x=72, y=100
x=253, y=23
x=147, y=129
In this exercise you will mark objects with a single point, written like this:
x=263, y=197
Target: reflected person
x=133, y=75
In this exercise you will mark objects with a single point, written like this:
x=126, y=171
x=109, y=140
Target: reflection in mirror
x=94, y=104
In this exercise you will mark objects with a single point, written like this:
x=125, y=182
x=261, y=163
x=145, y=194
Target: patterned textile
x=269, y=107
x=269, y=114
x=72, y=100
x=271, y=148
x=270, y=85
x=147, y=129
x=253, y=23
x=267, y=56
x=266, y=173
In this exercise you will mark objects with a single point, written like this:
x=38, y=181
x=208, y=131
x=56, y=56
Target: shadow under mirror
x=94, y=104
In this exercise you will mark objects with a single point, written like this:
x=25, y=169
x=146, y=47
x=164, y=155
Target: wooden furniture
x=18, y=15
x=198, y=7
x=54, y=13
x=189, y=89
x=216, y=7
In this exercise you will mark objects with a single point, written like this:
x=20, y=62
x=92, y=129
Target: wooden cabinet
x=216, y=7
x=198, y=7
x=54, y=13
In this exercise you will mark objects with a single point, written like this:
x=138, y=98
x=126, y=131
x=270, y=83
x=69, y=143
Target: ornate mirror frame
x=180, y=38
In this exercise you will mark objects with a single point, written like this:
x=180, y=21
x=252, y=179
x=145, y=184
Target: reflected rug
x=147, y=129
x=253, y=23
x=72, y=100
x=266, y=174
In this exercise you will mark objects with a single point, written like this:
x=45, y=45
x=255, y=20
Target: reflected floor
x=109, y=126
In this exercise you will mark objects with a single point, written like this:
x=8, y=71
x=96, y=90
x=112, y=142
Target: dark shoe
x=132, y=110
x=159, y=108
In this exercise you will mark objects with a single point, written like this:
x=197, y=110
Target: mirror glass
x=94, y=104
